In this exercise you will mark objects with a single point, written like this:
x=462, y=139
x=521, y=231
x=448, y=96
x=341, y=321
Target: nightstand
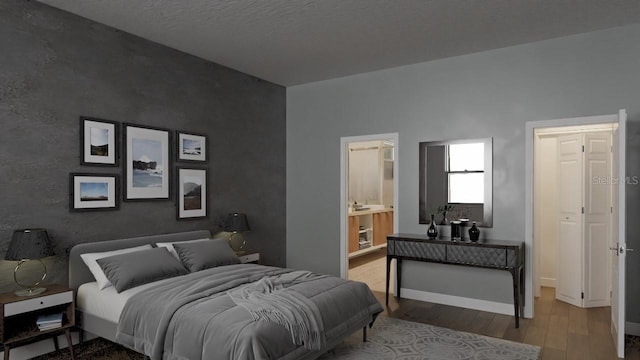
x=19, y=316
x=249, y=256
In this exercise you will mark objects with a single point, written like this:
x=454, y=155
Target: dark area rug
x=94, y=349
x=632, y=346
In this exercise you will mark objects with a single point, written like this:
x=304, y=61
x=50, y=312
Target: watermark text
x=612, y=180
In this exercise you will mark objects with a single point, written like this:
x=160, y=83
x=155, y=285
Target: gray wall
x=56, y=66
x=488, y=94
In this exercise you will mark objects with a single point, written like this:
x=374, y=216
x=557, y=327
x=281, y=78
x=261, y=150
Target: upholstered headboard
x=79, y=272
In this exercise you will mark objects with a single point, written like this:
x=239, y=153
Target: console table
x=489, y=254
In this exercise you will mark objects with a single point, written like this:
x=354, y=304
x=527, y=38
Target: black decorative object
x=455, y=230
x=474, y=233
x=432, y=232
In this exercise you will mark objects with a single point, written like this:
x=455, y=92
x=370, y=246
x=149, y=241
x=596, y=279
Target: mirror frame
x=487, y=209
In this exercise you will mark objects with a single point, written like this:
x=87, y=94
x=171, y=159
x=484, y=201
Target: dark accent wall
x=56, y=66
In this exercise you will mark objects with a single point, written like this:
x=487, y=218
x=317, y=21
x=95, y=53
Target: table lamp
x=236, y=223
x=27, y=245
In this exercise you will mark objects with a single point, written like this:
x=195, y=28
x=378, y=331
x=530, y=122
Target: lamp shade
x=236, y=222
x=29, y=244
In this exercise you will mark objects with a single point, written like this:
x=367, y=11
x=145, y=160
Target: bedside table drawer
x=38, y=303
x=255, y=257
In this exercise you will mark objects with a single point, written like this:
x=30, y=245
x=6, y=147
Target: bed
x=217, y=312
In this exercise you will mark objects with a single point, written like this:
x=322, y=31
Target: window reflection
x=466, y=173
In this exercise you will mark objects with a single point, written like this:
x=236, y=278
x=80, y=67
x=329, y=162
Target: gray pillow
x=202, y=255
x=128, y=270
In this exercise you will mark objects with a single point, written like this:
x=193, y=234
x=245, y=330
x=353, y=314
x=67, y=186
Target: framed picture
x=192, y=193
x=147, y=163
x=98, y=142
x=91, y=192
x=191, y=147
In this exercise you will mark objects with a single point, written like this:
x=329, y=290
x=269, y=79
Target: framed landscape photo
x=191, y=146
x=98, y=142
x=191, y=193
x=90, y=192
x=147, y=163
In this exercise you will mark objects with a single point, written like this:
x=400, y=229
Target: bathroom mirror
x=457, y=173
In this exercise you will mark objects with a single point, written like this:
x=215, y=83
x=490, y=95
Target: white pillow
x=172, y=250
x=91, y=260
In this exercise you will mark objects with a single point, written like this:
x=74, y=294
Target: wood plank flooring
x=563, y=331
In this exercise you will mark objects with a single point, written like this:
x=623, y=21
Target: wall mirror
x=457, y=173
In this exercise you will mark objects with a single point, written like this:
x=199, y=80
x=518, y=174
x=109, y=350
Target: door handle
x=621, y=249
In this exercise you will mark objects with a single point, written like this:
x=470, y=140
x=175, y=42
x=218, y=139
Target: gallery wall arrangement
x=147, y=171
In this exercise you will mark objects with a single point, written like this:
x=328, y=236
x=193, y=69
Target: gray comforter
x=192, y=316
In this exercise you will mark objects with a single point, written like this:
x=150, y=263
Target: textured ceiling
x=292, y=42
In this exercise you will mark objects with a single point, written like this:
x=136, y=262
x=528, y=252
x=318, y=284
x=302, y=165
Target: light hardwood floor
x=562, y=331
x=371, y=269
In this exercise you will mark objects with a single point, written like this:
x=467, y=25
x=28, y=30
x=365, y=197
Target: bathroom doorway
x=369, y=183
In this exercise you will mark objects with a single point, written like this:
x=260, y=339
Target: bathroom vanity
x=368, y=230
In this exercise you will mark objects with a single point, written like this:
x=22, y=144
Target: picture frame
x=93, y=192
x=99, y=142
x=147, y=163
x=191, y=193
x=191, y=147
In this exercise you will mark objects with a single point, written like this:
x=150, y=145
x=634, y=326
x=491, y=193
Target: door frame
x=532, y=254
x=344, y=172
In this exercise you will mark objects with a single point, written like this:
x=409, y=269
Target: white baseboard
x=469, y=303
x=632, y=328
x=548, y=282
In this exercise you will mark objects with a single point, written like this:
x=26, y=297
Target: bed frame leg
x=364, y=334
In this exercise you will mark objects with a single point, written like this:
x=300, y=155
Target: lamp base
x=29, y=289
x=30, y=292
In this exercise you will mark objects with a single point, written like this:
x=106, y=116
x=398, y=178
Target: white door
x=570, y=249
x=618, y=241
x=597, y=219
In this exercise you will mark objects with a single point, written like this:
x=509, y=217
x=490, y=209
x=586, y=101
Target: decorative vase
x=444, y=219
x=432, y=232
x=474, y=233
